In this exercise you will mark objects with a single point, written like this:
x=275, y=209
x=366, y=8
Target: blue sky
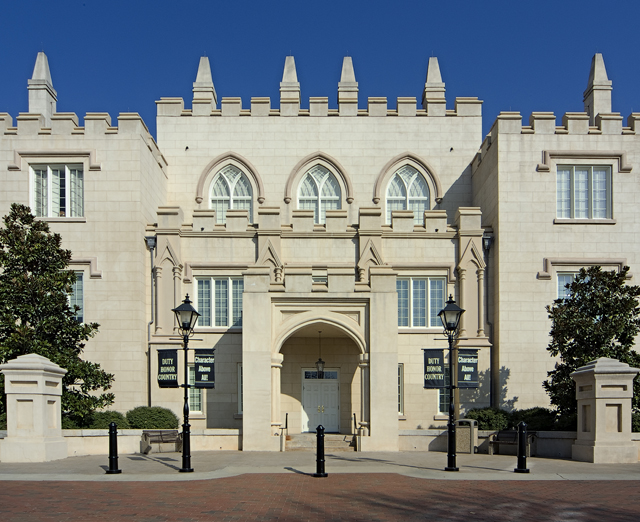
x=118, y=56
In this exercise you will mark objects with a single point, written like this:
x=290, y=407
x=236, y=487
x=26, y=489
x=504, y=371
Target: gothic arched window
x=230, y=189
x=408, y=190
x=319, y=191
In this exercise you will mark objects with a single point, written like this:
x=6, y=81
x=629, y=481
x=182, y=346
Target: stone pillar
x=364, y=393
x=177, y=298
x=604, y=389
x=462, y=274
x=257, y=433
x=480, y=302
x=276, y=366
x=33, y=385
x=383, y=362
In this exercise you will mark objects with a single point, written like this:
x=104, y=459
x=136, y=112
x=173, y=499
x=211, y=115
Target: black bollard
x=522, y=449
x=320, y=453
x=113, y=450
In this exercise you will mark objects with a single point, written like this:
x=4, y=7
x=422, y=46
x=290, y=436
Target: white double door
x=320, y=402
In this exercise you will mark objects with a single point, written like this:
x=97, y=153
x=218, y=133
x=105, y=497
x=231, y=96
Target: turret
x=597, y=96
x=42, y=95
x=204, y=93
x=348, y=89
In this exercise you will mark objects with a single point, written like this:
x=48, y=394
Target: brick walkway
x=299, y=497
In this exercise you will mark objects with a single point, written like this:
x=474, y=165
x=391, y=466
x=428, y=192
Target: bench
x=508, y=438
x=166, y=441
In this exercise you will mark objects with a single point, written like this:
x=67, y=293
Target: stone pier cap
x=604, y=365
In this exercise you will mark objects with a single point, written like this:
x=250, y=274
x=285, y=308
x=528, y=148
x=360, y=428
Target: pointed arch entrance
x=333, y=399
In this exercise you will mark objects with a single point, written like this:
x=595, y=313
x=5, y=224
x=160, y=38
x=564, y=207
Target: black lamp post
x=450, y=317
x=187, y=317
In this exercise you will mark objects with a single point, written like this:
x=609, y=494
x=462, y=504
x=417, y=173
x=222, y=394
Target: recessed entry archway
x=330, y=401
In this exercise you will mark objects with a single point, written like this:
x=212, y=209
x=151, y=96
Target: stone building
x=325, y=233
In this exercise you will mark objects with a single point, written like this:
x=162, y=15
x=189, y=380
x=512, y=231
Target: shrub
x=100, y=420
x=536, y=419
x=568, y=422
x=152, y=418
x=635, y=422
x=489, y=418
x=3, y=421
x=71, y=423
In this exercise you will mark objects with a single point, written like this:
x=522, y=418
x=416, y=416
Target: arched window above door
x=319, y=191
x=408, y=190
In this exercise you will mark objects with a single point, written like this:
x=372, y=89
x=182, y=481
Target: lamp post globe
x=187, y=316
x=450, y=317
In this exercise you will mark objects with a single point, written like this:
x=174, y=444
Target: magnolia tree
x=35, y=314
x=599, y=318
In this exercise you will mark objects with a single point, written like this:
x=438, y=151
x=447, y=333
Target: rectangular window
x=443, y=393
x=195, y=394
x=220, y=301
x=401, y=388
x=583, y=192
x=564, y=279
x=419, y=301
x=58, y=190
x=76, y=297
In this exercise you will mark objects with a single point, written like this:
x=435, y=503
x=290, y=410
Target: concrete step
x=307, y=442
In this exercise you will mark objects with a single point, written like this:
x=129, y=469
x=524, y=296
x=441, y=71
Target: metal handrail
x=355, y=425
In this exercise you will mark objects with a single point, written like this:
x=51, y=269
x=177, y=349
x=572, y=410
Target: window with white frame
x=76, y=297
x=220, y=301
x=230, y=189
x=195, y=394
x=564, y=279
x=57, y=190
x=401, y=388
x=408, y=190
x=443, y=393
x=420, y=299
x=319, y=191
x=583, y=192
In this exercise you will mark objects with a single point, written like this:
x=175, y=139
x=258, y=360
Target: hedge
x=152, y=418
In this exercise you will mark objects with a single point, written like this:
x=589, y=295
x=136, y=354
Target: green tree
x=35, y=315
x=599, y=318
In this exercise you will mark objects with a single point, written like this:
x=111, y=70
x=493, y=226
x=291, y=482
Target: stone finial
x=433, y=99
x=289, y=89
x=597, y=96
x=42, y=95
x=348, y=89
x=204, y=92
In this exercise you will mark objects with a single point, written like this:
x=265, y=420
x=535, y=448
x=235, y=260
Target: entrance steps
x=332, y=442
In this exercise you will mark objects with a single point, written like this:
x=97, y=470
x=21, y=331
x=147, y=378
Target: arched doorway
x=331, y=400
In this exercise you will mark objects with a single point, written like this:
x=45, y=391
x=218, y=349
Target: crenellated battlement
x=318, y=107
x=96, y=124
x=433, y=99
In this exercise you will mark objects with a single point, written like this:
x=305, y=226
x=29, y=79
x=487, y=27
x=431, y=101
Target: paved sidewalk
x=220, y=464
x=371, y=487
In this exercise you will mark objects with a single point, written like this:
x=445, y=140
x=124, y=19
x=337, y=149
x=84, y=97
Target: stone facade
x=315, y=240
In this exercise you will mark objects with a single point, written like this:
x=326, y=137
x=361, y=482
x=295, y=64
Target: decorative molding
x=229, y=157
x=549, y=155
x=550, y=264
x=472, y=253
x=189, y=267
x=307, y=162
x=569, y=221
x=394, y=164
x=18, y=156
x=450, y=268
x=94, y=273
